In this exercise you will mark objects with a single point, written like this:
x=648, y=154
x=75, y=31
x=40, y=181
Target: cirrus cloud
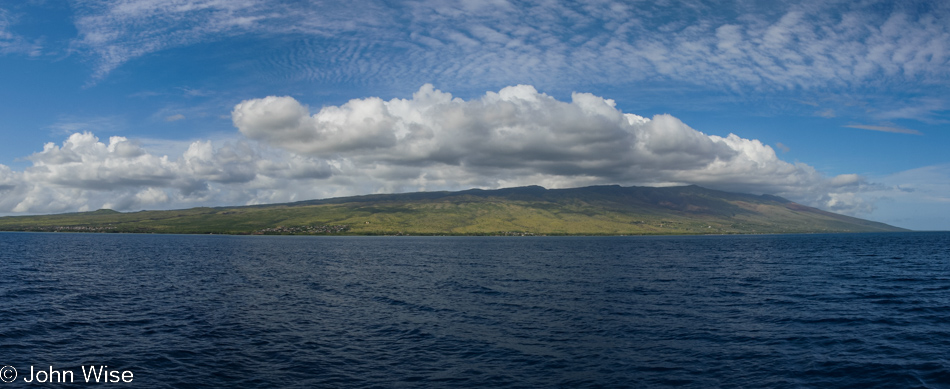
x=11, y=42
x=733, y=45
x=891, y=129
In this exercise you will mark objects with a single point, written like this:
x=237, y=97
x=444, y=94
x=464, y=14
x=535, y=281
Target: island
x=521, y=211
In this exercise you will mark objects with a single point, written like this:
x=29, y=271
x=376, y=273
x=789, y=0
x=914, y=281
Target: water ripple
x=790, y=311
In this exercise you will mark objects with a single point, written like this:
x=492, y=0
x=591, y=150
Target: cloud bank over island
x=431, y=141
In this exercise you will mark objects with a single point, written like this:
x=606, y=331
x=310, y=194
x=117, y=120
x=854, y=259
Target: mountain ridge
x=526, y=210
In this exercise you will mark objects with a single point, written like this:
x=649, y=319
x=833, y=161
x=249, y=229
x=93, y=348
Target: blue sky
x=146, y=104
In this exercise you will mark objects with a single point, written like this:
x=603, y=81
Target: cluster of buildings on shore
x=304, y=230
x=69, y=228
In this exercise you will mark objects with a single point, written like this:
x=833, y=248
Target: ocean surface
x=779, y=311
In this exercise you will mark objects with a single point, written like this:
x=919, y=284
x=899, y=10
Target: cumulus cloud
x=431, y=141
x=85, y=173
x=518, y=136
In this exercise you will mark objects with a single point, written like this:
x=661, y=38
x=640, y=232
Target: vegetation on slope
x=599, y=210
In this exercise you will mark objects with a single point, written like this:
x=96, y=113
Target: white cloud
x=519, y=136
x=922, y=109
x=116, y=32
x=174, y=118
x=11, y=42
x=891, y=129
x=85, y=173
x=433, y=141
x=85, y=163
x=463, y=43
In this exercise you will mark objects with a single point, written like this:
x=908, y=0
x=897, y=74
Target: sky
x=168, y=104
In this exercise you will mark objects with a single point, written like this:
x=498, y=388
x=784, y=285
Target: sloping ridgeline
x=532, y=210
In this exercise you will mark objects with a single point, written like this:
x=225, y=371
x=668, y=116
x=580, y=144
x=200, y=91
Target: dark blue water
x=867, y=310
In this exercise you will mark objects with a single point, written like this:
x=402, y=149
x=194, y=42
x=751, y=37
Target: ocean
x=776, y=311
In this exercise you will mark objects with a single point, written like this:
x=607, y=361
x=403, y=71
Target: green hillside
x=533, y=210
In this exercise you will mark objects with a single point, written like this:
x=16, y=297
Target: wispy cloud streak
x=114, y=32
x=895, y=130
x=12, y=43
